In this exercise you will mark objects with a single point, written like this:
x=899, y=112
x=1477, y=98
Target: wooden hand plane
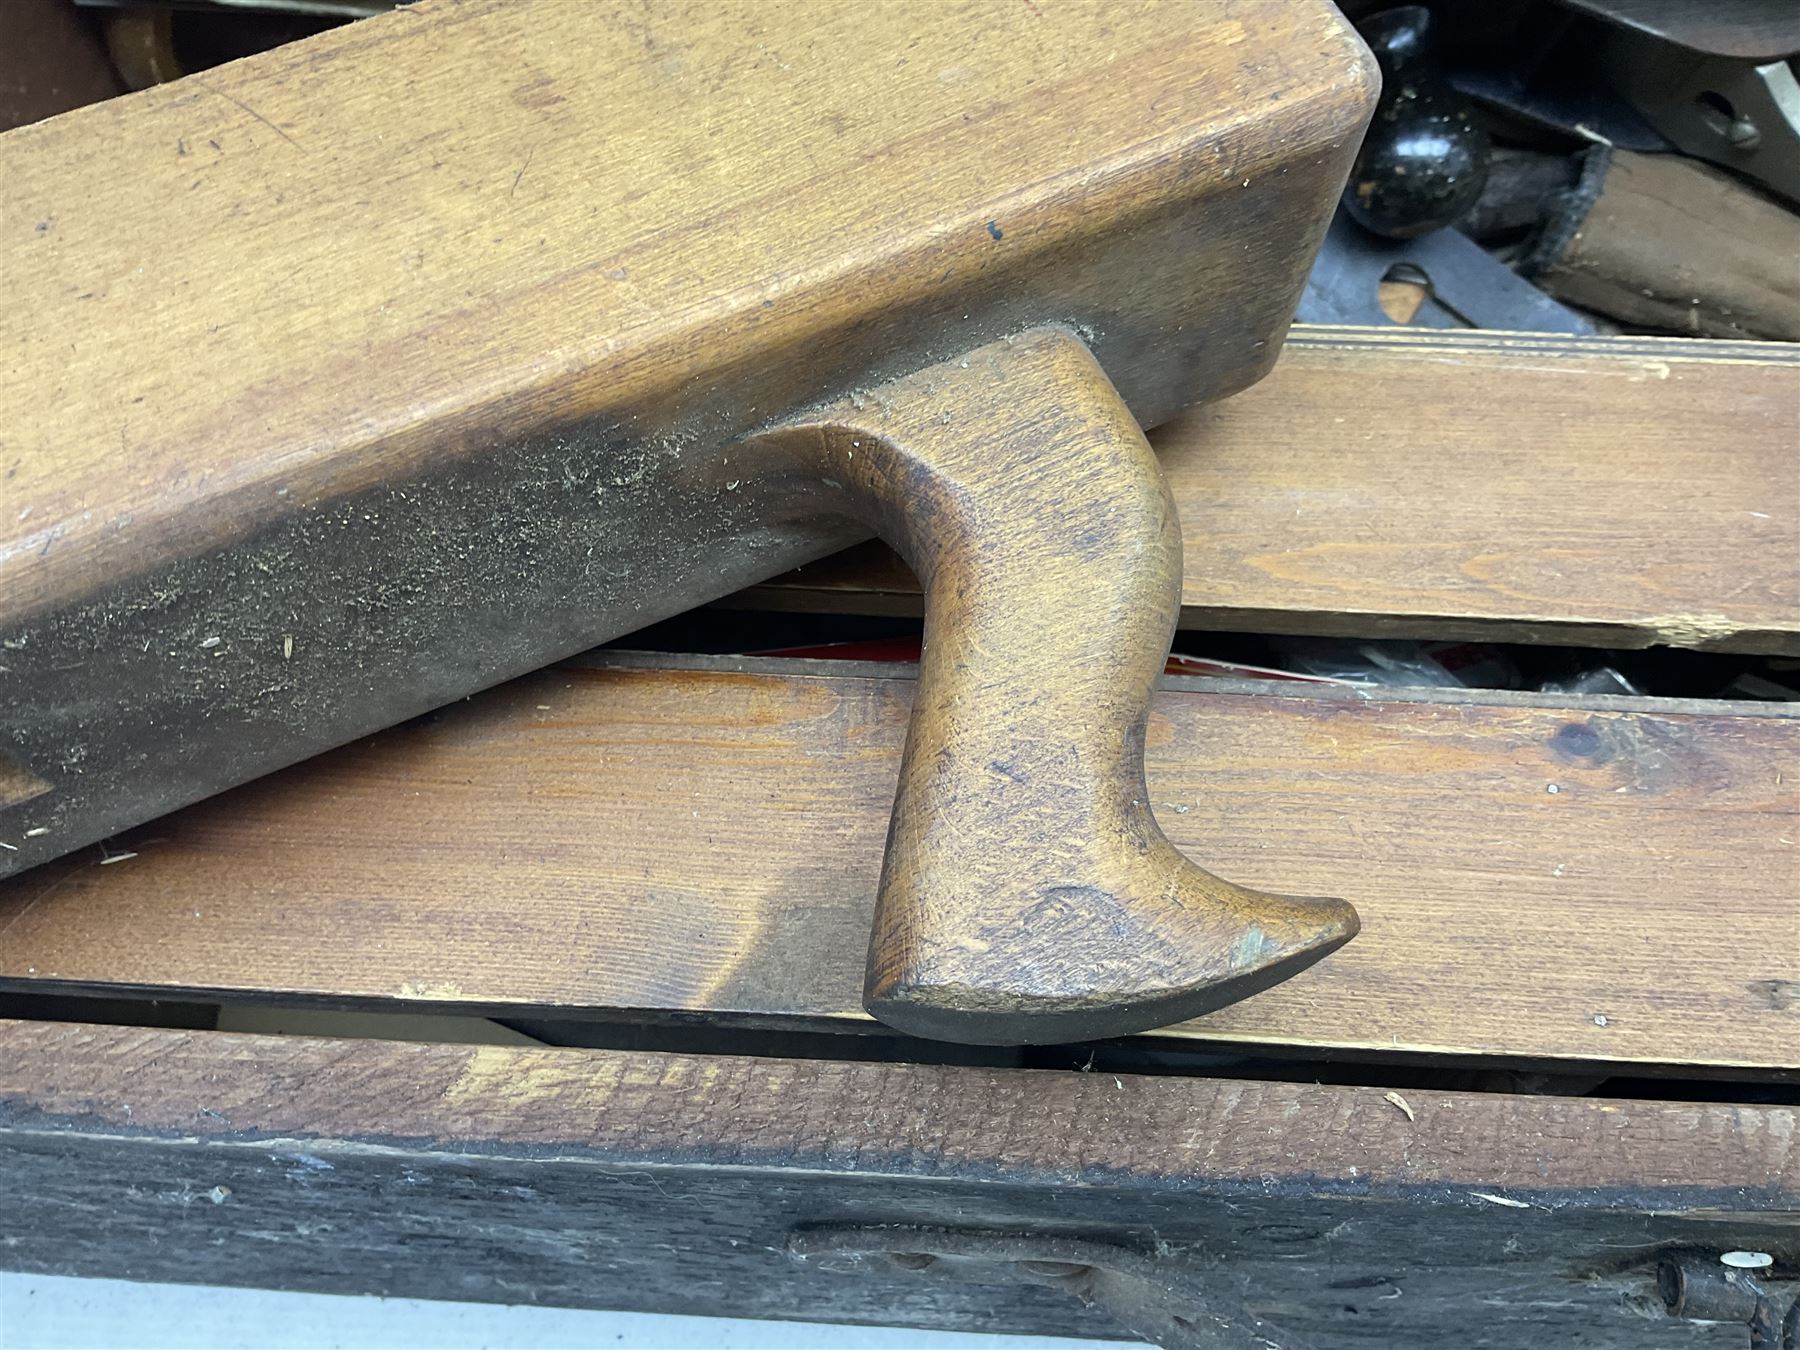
x=382, y=367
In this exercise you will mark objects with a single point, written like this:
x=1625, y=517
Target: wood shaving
x=1500, y=1200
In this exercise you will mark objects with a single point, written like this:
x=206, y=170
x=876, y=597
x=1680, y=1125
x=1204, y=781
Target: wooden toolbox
x=1581, y=912
x=554, y=994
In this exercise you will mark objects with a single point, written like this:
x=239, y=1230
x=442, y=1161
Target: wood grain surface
x=410, y=238
x=379, y=368
x=897, y=1118
x=670, y=1182
x=1027, y=894
x=1563, y=878
x=1620, y=492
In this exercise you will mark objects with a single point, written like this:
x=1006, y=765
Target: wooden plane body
x=385, y=366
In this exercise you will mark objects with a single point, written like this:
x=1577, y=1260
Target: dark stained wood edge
x=1165, y=1134
x=735, y=1033
x=794, y=593
x=1548, y=630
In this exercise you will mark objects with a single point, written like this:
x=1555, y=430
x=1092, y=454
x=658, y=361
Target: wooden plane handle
x=1028, y=894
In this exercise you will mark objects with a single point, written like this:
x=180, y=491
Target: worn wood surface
x=1549, y=878
x=1619, y=492
x=378, y=368
x=663, y=1182
x=1027, y=894
x=402, y=239
x=1673, y=243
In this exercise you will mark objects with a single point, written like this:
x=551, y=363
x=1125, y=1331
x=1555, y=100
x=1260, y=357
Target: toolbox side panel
x=661, y=1183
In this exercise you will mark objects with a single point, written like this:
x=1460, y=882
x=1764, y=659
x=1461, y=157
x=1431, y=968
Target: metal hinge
x=1728, y=1290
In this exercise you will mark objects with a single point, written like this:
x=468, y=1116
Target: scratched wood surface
x=669, y=1182
x=418, y=235
x=1559, y=879
x=382, y=367
x=1591, y=491
x=1028, y=896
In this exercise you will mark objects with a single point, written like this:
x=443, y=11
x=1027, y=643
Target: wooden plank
x=1615, y=492
x=1558, y=878
x=670, y=1182
x=383, y=366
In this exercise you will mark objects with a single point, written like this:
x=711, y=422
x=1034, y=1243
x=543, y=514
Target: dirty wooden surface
x=666, y=1182
x=409, y=238
x=381, y=367
x=1528, y=488
x=1538, y=877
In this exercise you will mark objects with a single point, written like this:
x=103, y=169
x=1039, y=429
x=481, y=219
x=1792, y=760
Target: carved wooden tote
x=382, y=367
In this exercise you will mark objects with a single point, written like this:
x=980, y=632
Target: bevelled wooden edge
x=626, y=658
x=895, y=1119
x=1608, y=492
